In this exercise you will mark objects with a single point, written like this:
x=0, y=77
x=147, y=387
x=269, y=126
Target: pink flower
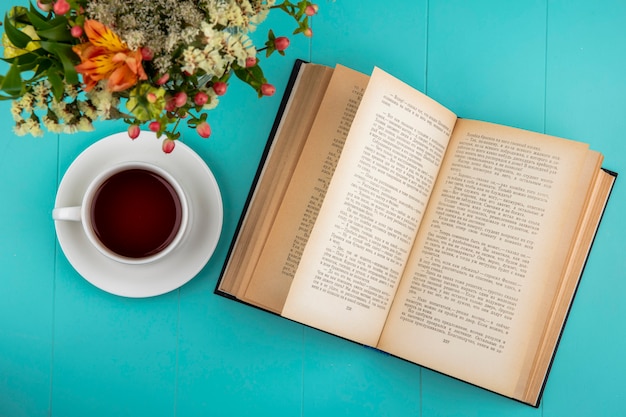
x=180, y=99
x=204, y=130
x=154, y=126
x=311, y=10
x=220, y=88
x=201, y=98
x=281, y=43
x=133, y=131
x=250, y=62
x=168, y=145
x=76, y=31
x=61, y=7
x=268, y=89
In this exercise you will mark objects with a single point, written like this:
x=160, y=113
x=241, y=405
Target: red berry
x=168, y=145
x=220, y=88
x=180, y=99
x=76, y=31
x=154, y=126
x=311, y=10
x=201, y=98
x=61, y=7
x=268, y=89
x=146, y=54
x=169, y=104
x=204, y=130
x=163, y=79
x=281, y=43
x=44, y=7
x=133, y=131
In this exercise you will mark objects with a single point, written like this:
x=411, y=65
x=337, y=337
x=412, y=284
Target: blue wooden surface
x=68, y=349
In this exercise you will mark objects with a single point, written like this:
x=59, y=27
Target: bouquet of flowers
x=153, y=62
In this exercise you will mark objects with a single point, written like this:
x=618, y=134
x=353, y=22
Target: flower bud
x=281, y=43
x=154, y=126
x=250, y=62
x=204, y=130
x=268, y=89
x=220, y=88
x=311, y=10
x=168, y=145
x=180, y=99
x=308, y=32
x=151, y=97
x=133, y=131
x=201, y=98
x=61, y=7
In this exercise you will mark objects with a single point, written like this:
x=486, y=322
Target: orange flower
x=106, y=57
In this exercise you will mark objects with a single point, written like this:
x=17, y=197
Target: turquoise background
x=69, y=349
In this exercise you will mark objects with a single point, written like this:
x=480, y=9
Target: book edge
x=270, y=140
x=580, y=278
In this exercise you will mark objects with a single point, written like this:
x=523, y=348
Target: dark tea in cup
x=136, y=213
x=133, y=212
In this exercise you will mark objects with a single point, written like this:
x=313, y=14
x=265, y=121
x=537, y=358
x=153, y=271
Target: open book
x=379, y=216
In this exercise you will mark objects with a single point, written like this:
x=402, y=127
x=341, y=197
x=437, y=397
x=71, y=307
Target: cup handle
x=67, y=213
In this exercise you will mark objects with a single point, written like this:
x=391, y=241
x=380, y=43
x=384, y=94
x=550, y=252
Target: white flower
x=28, y=126
x=84, y=125
x=16, y=111
x=26, y=102
x=103, y=101
x=52, y=125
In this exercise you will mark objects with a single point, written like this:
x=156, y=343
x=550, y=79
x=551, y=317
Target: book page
x=270, y=277
x=489, y=257
x=357, y=250
x=274, y=176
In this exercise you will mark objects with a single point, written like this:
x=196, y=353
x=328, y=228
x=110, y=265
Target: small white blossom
x=16, y=111
x=28, y=126
x=52, y=125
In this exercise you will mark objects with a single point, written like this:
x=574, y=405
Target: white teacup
x=133, y=213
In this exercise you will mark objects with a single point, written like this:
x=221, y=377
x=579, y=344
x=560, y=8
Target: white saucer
x=186, y=260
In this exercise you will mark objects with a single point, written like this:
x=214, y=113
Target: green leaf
x=5, y=98
x=250, y=74
x=38, y=20
x=30, y=66
x=56, y=83
x=23, y=59
x=57, y=33
x=253, y=76
x=42, y=66
x=12, y=82
x=66, y=56
x=18, y=38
